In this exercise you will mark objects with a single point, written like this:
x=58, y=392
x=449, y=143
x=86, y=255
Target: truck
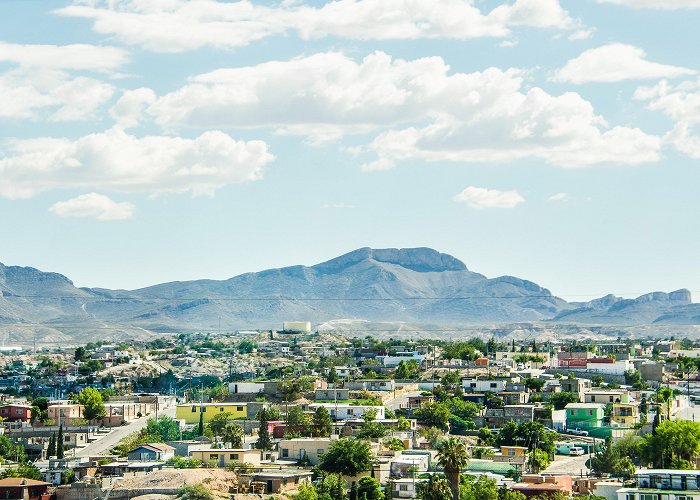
x=569, y=449
x=577, y=432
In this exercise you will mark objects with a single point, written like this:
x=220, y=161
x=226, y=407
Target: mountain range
x=417, y=286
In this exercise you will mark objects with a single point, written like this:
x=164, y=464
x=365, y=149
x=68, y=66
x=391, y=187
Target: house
x=190, y=412
x=585, y=416
x=663, y=483
x=25, y=489
x=151, y=452
x=536, y=485
x=278, y=482
x=519, y=414
x=65, y=413
x=14, y=412
x=346, y=411
x=332, y=394
x=186, y=447
x=225, y=456
x=624, y=414
x=246, y=387
x=405, y=487
x=605, y=397
x=392, y=361
x=576, y=385
x=298, y=448
x=484, y=385
x=372, y=385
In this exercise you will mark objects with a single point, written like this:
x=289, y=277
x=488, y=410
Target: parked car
x=577, y=432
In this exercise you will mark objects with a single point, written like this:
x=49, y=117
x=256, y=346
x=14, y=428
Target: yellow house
x=625, y=414
x=225, y=456
x=513, y=451
x=190, y=412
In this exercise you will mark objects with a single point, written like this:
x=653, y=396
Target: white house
x=346, y=411
x=484, y=385
x=393, y=360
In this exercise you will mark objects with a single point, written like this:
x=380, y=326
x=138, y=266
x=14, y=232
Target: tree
x=233, y=434
x=369, y=488
x=296, y=421
x=559, y=400
x=452, y=455
x=195, y=492
x=603, y=462
x=463, y=409
x=81, y=354
x=451, y=381
x=306, y=492
x=348, y=457
x=264, y=441
x=162, y=429
x=597, y=380
x=219, y=421
x=51, y=451
x=539, y=460
x=434, y=414
x=332, y=377
x=27, y=471
x=322, y=423
x=504, y=493
x=60, y=447
x=436, y=488
x=535, y=384
x=624, y=468
x=246, y=346
x=332, y=487
x=93, y=404
x=631, y=447
x=486, y=437
x=200, y=427
x=675, y=444
x=11, y=451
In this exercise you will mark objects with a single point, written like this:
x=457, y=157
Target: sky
x=146, y=141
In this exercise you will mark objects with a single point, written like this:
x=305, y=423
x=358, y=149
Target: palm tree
x=436, y=488
x=452, y=455
x=233, y=434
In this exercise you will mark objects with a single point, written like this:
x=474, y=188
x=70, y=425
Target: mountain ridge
x=417, y=285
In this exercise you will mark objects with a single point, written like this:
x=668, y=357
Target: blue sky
x=145, y=141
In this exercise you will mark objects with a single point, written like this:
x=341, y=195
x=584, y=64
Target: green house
x=584, y=416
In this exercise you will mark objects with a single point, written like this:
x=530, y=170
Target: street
x=103, y=445
x=564, y=464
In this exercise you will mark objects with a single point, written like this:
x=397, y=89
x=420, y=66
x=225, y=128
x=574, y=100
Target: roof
x=684, y=472
x=187, y=405
x=584, y=405
x=539, y=486
x=153, y=447
x=16, y=482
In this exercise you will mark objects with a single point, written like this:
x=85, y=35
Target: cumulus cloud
x=116, y=161
x=53, y=94
x=656, y=4
x=615, y=62
x=418, y=108
x=680, y=103
x=65, y=57
x=128, y=110
x=159, y=25
x=93, y=205
x=481, y=198
x=559, y=197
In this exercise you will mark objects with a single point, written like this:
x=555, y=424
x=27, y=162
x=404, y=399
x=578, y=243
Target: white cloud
x=64, y=57
x=51, y=94
x=680, y=103
x=615, y=62
x=559, y=197
x=656, y=4
x=116, y=161
x=582, y=34
x=93, y=205
x=481, y=198
x=128, y=110
x=159, y=25
x=419, y=109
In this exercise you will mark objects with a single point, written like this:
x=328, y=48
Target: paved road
x=564, y=464
x=110, y=440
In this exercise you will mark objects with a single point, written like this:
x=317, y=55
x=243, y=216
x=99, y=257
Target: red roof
x=16, y=482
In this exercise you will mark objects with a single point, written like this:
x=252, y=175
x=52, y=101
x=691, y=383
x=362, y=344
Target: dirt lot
x=217, y=480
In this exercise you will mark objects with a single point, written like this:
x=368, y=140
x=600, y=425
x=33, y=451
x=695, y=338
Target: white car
x=575, y=450
x=578, y=432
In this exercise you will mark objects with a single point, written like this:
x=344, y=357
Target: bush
x=195, y=492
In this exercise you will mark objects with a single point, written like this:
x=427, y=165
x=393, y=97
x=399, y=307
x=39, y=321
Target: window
x=403, y=487
x=202, y=409
x=643, y=496
x=194, y=409
x=234, y=456
x=239, y=408
x=590, y=413
x=213, y=456
x=221, y=409
x=493, y=384
x=285, y=452
x=611, y=399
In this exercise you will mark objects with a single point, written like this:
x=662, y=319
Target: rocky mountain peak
x=421, y=260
